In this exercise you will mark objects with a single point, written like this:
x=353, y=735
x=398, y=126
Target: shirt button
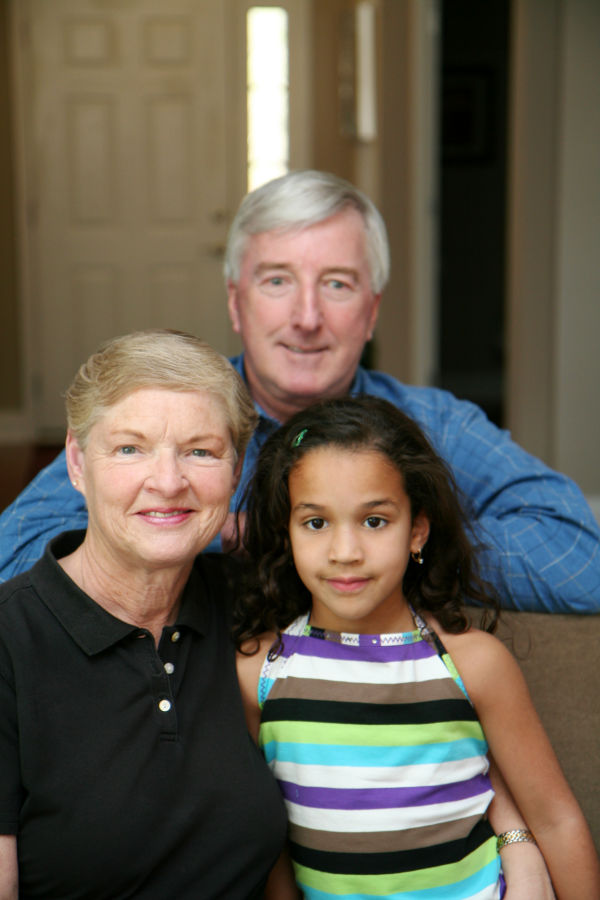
x=175, y=636
x=169, y=668
x=164, y=705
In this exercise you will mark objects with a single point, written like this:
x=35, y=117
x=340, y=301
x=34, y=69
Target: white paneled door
x=123, y=108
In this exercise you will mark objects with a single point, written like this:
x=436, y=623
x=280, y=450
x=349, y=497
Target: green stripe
x=359, y=735
x=384, y=885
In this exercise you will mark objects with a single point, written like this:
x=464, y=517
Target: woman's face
x=157, y=474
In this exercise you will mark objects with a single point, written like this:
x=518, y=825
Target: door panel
x=125, y=177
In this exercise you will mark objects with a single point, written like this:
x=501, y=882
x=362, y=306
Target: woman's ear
x=74, y=455
x=420, y=532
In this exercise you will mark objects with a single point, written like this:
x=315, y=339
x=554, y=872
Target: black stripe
x=396, y=861
x=427, y=711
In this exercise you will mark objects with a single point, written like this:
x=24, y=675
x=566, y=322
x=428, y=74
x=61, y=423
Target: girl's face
x=352, y=532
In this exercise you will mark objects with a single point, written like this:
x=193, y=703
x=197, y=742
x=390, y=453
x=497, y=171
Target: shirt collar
x=358, y=385
x=89, y=625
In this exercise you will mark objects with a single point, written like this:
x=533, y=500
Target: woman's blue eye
x=200, y=452
x=127, y=450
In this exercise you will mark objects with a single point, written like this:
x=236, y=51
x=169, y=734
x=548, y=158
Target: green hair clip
x=298, y=439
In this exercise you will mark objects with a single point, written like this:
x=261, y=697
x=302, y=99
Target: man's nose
x=307, y=313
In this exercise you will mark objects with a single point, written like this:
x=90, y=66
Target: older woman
x=127, y=770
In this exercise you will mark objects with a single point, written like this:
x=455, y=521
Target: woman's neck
x=148, y=598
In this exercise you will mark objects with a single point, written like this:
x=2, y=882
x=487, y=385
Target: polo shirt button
x=164, y=705
x=169, y=668
x=175, y=636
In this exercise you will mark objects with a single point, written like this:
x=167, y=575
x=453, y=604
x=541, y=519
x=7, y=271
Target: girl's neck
x=401, y=622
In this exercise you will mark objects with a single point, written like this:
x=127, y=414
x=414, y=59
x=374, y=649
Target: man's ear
x=233, y=306
x=74, y=455
x=419, y=532
x=374, y=315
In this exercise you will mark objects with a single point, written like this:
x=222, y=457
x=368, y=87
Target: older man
x=306, y=263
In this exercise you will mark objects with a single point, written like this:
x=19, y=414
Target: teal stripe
x=485, y=878
x=368, y=756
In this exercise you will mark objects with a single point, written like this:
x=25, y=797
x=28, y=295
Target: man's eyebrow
x=266, y=266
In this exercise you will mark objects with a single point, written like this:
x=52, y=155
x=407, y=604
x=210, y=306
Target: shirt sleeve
x=47, y=506
x=543, y=542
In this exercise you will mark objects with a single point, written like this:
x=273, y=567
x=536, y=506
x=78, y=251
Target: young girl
x=374, y=701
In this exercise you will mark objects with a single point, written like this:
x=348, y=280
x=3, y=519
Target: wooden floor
x=18, y=465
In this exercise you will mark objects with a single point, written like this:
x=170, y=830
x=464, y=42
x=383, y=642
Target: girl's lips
x=347, y=585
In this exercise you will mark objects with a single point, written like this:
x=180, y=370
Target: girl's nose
x=345, y=546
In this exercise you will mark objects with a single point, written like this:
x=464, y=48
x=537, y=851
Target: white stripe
x=381, y=776
x=360, y=672
x=366, y=820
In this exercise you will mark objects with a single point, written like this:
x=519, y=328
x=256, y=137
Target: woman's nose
x=167, y=475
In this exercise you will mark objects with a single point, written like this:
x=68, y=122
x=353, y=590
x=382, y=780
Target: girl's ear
x=419, y=532
x=74, y=455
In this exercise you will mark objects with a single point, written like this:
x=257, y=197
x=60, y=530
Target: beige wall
x=10, y=343
x=554, y=283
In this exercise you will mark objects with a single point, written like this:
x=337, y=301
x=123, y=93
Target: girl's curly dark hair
x=273, y=594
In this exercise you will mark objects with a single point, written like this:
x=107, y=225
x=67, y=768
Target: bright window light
x=268, y=93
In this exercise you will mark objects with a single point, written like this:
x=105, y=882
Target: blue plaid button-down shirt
x=543, y=543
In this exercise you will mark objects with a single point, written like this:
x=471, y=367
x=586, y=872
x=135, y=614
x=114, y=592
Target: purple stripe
x=383, y=798
x=324, y=649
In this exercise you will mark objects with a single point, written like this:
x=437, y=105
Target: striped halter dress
x=382, y=764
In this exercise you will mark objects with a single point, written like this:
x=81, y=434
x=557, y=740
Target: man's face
x=304, y=308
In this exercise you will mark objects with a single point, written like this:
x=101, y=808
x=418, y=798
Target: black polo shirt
x=128, y=771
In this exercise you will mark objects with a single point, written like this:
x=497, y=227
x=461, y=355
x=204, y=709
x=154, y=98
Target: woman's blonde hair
x=173, y=360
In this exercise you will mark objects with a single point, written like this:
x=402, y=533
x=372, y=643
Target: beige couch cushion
x=559, y=656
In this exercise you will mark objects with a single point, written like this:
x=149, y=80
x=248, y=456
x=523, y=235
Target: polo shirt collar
x=89, y=625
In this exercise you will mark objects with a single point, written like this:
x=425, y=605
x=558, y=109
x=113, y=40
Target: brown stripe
x=311, y=689
x=382, y=841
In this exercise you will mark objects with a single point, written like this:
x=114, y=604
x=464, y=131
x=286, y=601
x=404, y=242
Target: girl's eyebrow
x=368, y=504
x=316, y=506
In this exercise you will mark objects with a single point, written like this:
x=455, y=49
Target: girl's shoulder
x=480, y=657
x=249, y=662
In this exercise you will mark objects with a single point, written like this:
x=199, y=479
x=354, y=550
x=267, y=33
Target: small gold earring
x=417, y=556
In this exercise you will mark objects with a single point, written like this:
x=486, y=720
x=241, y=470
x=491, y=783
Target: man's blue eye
x=200, y=452
x=127, y=450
